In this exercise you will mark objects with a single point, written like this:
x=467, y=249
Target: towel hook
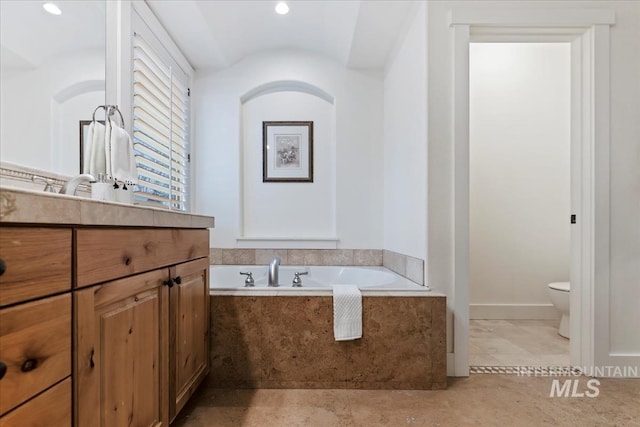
x=104, y=107
x=108, y=109
x=110, y=112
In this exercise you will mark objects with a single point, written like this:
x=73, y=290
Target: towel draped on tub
x=347, y=312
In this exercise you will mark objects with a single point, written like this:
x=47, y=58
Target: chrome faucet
x=71, y=186
x=274, y=266
x=47, y=181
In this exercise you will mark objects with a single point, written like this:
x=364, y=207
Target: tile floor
x=476, y=401
x=517, y=343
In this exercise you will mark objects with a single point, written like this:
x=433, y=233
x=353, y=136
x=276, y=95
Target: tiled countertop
x=37, y=207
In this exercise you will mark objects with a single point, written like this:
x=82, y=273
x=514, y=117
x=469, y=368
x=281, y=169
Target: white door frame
x=588, y=32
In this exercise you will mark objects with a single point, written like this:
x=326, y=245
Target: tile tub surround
x=288, y=342
x=410, y=267
x=346, y=257
x=407, y=266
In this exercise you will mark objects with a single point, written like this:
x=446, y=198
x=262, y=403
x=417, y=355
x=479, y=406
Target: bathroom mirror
x=52, y=71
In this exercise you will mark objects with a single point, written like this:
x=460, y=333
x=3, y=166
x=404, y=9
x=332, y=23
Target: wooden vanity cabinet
x=101, y=326
x=141, y=340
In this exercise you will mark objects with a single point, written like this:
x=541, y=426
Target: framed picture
x=287, y=151
x=85, y=148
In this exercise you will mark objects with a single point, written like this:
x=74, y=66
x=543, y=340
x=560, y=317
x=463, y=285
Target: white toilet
x=559, y=292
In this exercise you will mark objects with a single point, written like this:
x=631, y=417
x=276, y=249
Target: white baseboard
x=513, y=311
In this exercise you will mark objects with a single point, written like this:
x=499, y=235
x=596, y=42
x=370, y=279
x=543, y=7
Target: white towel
x=121, y=162
x=347, y=312
x=107, y=147
x=97, y=161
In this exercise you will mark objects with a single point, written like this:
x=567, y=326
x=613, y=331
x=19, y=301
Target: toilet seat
x=560, y=286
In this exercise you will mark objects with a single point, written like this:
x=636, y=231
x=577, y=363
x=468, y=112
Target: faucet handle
x=248, y=282
x=48, y=183
x=297, y=281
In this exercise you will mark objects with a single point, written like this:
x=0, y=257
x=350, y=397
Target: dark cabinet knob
x=29, y=365
x=3, y=369
x=168, y=283
x=3, y=267
x=178, y=280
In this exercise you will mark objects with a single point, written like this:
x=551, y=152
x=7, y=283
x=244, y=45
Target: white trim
x=531, y=17
x=287, y=243
x=494, y=33
x=576, y=345
x=111, y=77
x=525, y=34
x=78, y=88
x=600, y=177
x=513, y=311
x=118, y=58
x=581, y=302
x=461, y=198
x=593, y=220
x=591, y=269
x=287, y=86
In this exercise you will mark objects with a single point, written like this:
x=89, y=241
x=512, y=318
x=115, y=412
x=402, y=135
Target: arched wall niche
x=282, y=215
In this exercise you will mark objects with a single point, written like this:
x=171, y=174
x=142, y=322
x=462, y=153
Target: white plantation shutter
x=160, y=127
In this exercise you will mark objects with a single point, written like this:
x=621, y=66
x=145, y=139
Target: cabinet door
x=121, y=354
x=190, y=330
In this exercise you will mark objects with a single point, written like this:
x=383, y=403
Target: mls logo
x=571, y=388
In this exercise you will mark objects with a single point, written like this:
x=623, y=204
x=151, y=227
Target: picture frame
x=85, y=148
x=287, y=151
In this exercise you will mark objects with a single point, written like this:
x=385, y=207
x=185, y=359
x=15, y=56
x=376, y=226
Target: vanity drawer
x=103, y=255
x=35, y=347
x=36, y=262
x=52, y=409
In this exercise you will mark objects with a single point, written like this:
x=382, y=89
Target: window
x=160, y=125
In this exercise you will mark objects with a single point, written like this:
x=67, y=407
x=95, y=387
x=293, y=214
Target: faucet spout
x=274, y=266
x=71, y=186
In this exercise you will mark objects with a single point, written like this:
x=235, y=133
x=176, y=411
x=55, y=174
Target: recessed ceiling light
x=52, y=8
x=282, y=8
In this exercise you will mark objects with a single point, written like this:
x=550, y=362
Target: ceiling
x=219, y=33
x=214, y=34
x=29, y=36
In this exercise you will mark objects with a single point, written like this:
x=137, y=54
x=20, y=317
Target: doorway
x=519, y=201
x=588, y=33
